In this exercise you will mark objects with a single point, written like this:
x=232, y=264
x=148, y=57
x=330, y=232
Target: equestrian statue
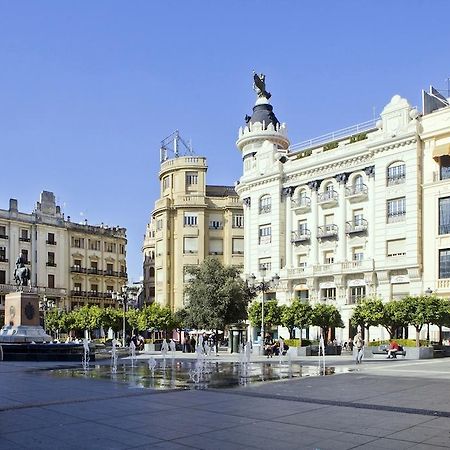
x=22, y=274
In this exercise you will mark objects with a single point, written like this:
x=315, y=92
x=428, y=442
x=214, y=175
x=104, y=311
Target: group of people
x=272, y=347
x=358, y=342
x=190, y=343
x=138, y=341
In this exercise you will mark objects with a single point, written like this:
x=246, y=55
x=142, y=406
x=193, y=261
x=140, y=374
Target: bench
x=383, y=350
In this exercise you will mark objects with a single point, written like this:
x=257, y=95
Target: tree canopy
x=326, y=317
x=216, y=295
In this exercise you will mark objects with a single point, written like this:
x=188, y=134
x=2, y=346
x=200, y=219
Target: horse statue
x=22, y=273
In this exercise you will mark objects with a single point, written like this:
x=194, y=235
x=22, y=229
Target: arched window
x=396, y=173
x=265, y=204
x=152, y=272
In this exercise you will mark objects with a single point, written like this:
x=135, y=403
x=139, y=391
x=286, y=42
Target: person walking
x=359, y=345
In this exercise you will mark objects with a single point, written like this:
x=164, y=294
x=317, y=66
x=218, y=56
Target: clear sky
x=88, y=89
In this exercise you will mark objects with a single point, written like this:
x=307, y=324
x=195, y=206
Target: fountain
x=132, y=353
x=113, y=356
x=173, y=348
x=85, y=359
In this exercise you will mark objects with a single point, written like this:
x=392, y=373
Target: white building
x=340, y=217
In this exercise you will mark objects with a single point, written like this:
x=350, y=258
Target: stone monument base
x=22, y=323
x=23, y=334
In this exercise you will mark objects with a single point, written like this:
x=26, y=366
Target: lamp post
x=45, y=305
x=263, y=286
x=428, y=292
x=127, y=295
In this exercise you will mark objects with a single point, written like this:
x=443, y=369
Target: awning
x=301, y=287
x=441, y=150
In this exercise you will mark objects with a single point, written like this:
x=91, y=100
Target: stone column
x=341, y=218
x=287, y=193
x=314, y=186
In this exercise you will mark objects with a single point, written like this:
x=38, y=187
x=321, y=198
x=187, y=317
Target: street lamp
x=45, y=305
x=127, y=295
x=263, y=286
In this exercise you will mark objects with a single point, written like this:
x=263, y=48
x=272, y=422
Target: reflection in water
x=185, y=374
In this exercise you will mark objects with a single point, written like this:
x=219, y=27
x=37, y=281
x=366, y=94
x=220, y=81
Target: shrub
x=402, y=342
x=292, y=342
x=357, y=137
x=330, y=146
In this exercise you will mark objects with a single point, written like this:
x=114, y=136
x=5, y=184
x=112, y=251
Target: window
x=302, y=227
x=159, y=224
x=94, y=245
x=396, y=173
x=51, y=238
x=356, y=294
x=190, y=244
x=25, y=256
x=444, y=215
x=190, y=219
x=77, y=242
x=77, y=264
x=444, y=167
x=265, y=234
x=77, y=287
x=3, y=254
x=109, y=268
x=358, y=183
x=110, y=247
x=358, y=218
x=396, y=210
x=94, y=267
x=24, y=237
x=51, y=281
x=109, y=289
x=444, y=263
x=51, y=259
x=94, y=288
x=302, y=260
x=166, y=183
x=122, y=249
x=265, y=264
x=265, y=204
x=238, y=246
x=328, y=294
x=328, y=257
x=191, y=178
x=358, y=254
x=303, y=200
x=238, y=221
x=216, y=247
x=396, y=247
x=2, y=276
x=3, y=232
x=215, y=222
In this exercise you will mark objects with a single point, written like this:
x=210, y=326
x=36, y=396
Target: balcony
x=111, y=273
x=24, y=239
x=328, y=199
x=3, y=236
x=94, y=271
x=215, y=226
x=396, y=179
x=299, y=272
x=216, y=253
x=356, y=226
x=123, y=275
x=300, y=236
x=265, y=209
x=301, y=205
x=396, y=217
x=357, y=193
x=3, y=259
x=50, y=264
x=327, y=231
x=50, y=242
x=78, y=269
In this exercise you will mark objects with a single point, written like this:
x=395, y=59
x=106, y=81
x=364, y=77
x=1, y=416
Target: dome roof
x=263, y=113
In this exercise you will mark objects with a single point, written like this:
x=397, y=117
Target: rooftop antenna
x=171, y=146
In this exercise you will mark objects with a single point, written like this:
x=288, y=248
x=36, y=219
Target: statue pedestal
x=22, y=319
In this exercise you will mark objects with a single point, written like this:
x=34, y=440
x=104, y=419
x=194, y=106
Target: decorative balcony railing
x=356, y=192
x=24, y=239
x=51, y=242
x=302, y=204
x=300, y=236
x=327, y=231
x=356, y=226
x=328, y=198
x=50, y=264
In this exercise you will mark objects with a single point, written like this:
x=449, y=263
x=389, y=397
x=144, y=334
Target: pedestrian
x=193, y=342
x=359, y=344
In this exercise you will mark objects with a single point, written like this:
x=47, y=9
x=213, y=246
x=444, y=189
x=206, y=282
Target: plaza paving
x=380, y=404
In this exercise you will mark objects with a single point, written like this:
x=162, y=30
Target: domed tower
x=264, y=144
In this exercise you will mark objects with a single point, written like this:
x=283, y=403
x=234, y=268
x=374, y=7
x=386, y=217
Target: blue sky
x=88, y=89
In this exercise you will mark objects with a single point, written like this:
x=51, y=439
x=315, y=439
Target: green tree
x=272, y=314
x=133, y=318
x=439, y=313
x=396, y=315
x=87, y=318
x=217, y=295
x=67, y=321
x=419, y=311
x=53, y=320
x=297, y=315
x=326, y=317
x=369, y=312
x=111, y=318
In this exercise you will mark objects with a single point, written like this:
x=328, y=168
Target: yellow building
x=190, y=222
x=70, y=263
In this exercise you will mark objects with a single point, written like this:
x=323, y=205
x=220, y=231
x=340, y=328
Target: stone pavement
x=381, y=404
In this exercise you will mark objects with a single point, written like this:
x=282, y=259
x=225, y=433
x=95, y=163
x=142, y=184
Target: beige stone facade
x=73, y=264
x=190, y=222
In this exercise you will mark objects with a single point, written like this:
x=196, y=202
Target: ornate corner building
x=72, y=264
x=190, y=222
x=359, y=212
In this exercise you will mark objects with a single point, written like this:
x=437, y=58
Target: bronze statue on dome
x=259, y=86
